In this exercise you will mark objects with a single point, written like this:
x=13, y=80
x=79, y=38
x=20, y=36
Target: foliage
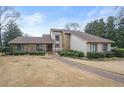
x=96, y=27
x=16, y=53
x=119, y=52
x=112, y=28
x=1, y=48
x=41, y=53
x=96, y=55
x=71, y=53
x=72, y=26
x=7, y=15
x=7, y=49
x=39, y=49
x=12, y=31
x=109, y=54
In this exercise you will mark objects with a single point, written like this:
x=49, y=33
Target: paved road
x=100, y=72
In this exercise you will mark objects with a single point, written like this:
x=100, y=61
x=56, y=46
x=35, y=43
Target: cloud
x=39, y=23
x=107, y=11
x=31, y=24
x=35, y=18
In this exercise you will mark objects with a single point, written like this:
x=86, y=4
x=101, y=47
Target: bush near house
x=39, y=49
x=41, y=53
x=9, y=51
x=16, y=53
x=1, y=49
x=6, y=49
x=71, y=53
x=109, y=54
x=96, y=55
x=118, y=52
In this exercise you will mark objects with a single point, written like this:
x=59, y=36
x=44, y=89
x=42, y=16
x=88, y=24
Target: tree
x=72, y=26
x=120, y=31
x=7, y=16
x=96, y=27
x=12, y=31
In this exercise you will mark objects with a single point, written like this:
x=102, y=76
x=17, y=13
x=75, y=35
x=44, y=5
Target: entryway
x=48, y=47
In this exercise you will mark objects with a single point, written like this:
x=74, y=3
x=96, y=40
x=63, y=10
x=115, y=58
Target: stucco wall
x=78, y=44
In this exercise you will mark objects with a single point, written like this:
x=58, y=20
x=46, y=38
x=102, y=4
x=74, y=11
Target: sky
x=37, y=20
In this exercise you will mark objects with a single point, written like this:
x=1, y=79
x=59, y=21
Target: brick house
x=59, y=39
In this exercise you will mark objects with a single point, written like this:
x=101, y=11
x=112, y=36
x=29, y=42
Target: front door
x=49, y=47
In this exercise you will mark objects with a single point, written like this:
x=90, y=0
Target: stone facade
x=28, y=47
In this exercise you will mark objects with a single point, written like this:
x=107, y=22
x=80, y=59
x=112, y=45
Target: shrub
x=119, y=52
x=39, y=49
x=7, y=49
x=71, y=53
x=1, y=49
x=42, y=53
x=61, y=53
x=95, y=55
x=16, y=53
x=9, y=53
x=109, y=54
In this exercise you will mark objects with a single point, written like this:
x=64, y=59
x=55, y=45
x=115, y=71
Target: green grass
x=120, y=49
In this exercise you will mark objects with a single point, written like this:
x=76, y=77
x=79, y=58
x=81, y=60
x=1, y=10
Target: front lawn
x=46, y=71
x=116, y=65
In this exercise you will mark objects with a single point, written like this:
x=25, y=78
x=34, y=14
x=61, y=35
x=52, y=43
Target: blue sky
x=36, y=20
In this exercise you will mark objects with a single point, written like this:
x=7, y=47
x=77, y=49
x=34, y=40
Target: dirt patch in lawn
x=45, y=71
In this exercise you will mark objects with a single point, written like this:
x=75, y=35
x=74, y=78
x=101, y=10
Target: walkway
x=100, y=72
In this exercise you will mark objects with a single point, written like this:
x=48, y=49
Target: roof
x=32, y=40
x=85, y=36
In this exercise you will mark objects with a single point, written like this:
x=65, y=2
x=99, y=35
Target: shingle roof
x=35, y=40
x=85, y=36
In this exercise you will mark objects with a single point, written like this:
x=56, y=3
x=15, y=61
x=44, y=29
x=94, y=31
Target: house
x=59, y=39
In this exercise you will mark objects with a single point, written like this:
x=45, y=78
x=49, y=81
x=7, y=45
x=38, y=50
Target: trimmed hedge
x=96, y=55
x=119, y=52
x=16, y=53
x=71, y=53
x=8, y=51
x=41, y=53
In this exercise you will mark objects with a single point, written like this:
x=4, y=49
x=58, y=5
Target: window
x=57, y=45
x=105, y=47
x=57, y=37
x=20, y=47
x=93, y=47
x=39, y=47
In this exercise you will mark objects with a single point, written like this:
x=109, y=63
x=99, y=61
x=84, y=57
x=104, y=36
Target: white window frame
x=105, y=47
x=93, y=47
